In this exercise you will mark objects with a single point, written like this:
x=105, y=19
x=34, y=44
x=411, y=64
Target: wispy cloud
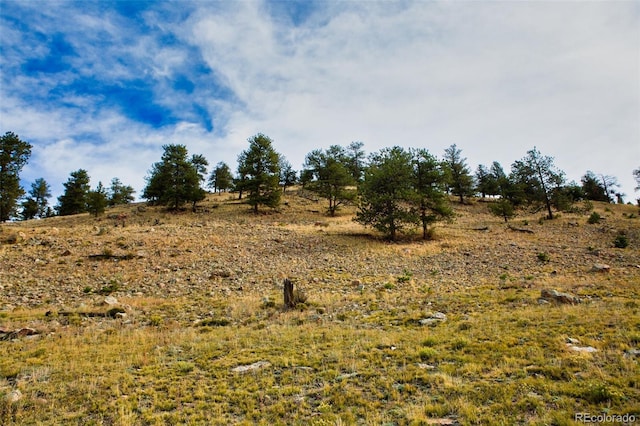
x=103, y=85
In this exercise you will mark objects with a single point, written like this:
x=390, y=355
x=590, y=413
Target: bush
x=594, y=218
x=621, y=241
x=543, y=257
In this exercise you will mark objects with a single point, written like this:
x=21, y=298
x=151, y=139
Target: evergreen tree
x=636, y=176
x=74, y=198
x=29, y=209
x=288, y=176
x=387, y=193
x=97, y=200
x=539, y=177
x=330, y=175
x=14, y=154
x=221, y=178
x=486, y=182
x=429, y=183
x=592, y=188
x=259, y=169
x=355, y=159
x=175, y=180
x=119, y=193
x=459, y=176
x=37, y=202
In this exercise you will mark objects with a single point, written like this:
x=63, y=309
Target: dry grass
x=202, y=294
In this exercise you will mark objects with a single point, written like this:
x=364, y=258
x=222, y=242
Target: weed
x=621, y=240
x=594, y=218
x=427, y=354
x=405, y=277
x=543, y=257
x=109, y=288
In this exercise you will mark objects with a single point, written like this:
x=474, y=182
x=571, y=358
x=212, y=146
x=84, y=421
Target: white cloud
x=496, y=78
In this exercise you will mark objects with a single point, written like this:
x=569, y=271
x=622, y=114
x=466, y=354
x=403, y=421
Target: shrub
x=594, y=218
x=621, y=241
x=543, y=257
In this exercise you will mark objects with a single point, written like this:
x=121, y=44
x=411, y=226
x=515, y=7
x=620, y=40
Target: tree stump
x=289, y=300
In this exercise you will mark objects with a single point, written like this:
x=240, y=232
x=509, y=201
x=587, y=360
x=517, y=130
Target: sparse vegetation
x=594, y=218
x=203, y=296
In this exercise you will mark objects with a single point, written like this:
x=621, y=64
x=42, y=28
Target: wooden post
x=289, y=301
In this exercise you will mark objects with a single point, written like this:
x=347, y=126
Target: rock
x=13, y=396
x=601, y=267
x=67, y=252
x=22, y=332
x=562, y=298
x=426, y=366
x=251, y=367
x=433, y=319
x=632, y=353
x=573, y=341
x=583, y=349
x=346, y=376
x=439, y=316
x=110, y=300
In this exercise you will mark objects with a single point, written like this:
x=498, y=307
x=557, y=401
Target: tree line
x=395, y=189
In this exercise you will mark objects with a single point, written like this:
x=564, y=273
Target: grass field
x=446, y=331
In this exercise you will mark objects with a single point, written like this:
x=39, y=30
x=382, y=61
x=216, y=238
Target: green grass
x=353, y=353
x=503, y=358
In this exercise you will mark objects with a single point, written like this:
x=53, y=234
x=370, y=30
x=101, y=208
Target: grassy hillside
x=179, y=319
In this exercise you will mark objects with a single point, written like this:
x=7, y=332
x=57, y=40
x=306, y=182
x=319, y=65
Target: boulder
x=556, y=296
x=110, y=301
x=601, y=267
x=251, y=367
x=433, y=319
x=13, y=396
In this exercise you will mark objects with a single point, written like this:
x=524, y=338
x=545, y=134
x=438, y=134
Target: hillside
x=179, y=319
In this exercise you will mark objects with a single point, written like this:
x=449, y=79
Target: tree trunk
x=289, y=301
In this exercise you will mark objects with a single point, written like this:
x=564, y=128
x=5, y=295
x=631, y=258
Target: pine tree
x=539, y=177
x=429, y=183
x=329, y=174
x=14, y=154
x=37, y=202
x=221, y=178
x=74, y=198
x=119, y=193
x=175, y=180
x=97, y=200
x=387, y=194
x=259, y=169
x=459, y=176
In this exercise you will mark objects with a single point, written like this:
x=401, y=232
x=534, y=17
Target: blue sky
x=103, y=85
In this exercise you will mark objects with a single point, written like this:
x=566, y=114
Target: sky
x=103, y=85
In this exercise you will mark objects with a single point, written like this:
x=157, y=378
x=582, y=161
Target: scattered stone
x=16, y=334
x=632, y=352
x=443, y=421
x=426, y=366
x=601, y=267
x=583, y=349
x=573, y=341
x=433, y=319
x=14, y=396
x=346, y=376
x=251, y=367
x=303, y=368
x=67, y=252
x=562, y=298
x=110, y=300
